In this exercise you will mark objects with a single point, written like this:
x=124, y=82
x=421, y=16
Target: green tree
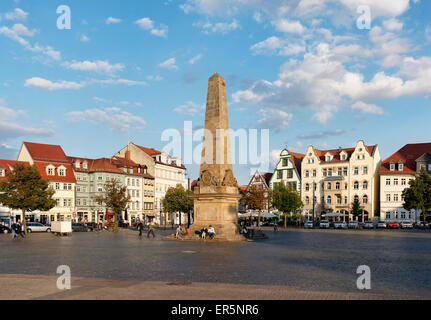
x=356, y=208
x=25, y=190
x=256, y=198
x=285, y=200
x=115, y=197
x=418, y=195
x=177, y=200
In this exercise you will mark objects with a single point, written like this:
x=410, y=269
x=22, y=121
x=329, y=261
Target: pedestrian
x=13, y=227
x=211, y=232
x=19, y=230
x=275, y=225
x=151, y=230
x=140, y=229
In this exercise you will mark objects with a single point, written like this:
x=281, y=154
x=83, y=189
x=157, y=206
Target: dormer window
x=400, y=166
x=392, y=166
x=62, y=172
x=2, y=172
x=50, y=171
x=85, y=165
x=77, y=164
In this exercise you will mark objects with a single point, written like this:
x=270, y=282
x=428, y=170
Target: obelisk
x=216, y=195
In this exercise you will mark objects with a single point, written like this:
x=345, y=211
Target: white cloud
x=148, y=24
x=84, y=38
x=126, y=82
x=114, y=118
x=169, y=64
x=274, y=119
x=218, y=27
x=393, y=24
x=48, y=85
x=155, y=78
x=189, y=108
x=97, y=66
x=366, y=107
x=112, y=20
x=288, y=26
x=195, y=59
x=17, y=14
x=275, y=45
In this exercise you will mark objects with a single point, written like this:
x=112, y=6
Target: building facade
x=333, y=179
x=288, y=170
x=395, y=173
x=260, y=180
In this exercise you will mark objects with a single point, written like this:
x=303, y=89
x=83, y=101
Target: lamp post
x=314, y=190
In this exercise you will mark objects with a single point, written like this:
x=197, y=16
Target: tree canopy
x=285, y=200
x=177, y=200
x=418, y=195
x=256, y=198
x=25, y=189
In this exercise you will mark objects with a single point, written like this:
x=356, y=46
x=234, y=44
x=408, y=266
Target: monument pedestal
x=219, y=210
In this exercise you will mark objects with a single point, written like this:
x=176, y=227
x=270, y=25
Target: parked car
x=393, y=225
x=381, y=225
x=80, y=227
x=353, y=225
x=422, y=225
x=5, y=229
x=37, y=227
x=406, y=224
x=324, y=224
x=309, y=225
x=368, y=225
x=340, y=225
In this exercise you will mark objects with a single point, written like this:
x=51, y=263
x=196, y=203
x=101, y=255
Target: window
x=365, y=199
x=133, y=182
x=395, y=197
x=340, y=171
x=50, y=171
x=388, y=182
x=329, y=200
x=329, y=186
x=279, y=174
x=61, y=172
x=365, y=170
x=356, y=185
x=64, y=202
x=307, y=173
x=330, y=172
x=365, y=185
x=284, y=162
x=2, y=172
x=78, y=202
x=85, y=165
x=57, y=186
x=388, y=215
x=395, y=181
x=429, y=166
x=345, y=171
x=324, y=172
x=345, y=200
x=356, y=170
x=289, y=173
x=337, y=186
x=388, y=197
x=307, y=200
x=314, y=173
x=78, y=189
x=400, y=166
x=392, y=166
x=307, y=187
x=137, y=182
x=403, y=181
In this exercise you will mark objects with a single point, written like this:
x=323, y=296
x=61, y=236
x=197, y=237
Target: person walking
x=13, y=228
x=19, y=230
x=275, y=225
x=140, y=229
x=150, y=230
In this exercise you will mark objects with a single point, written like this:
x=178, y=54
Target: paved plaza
x=292, y=264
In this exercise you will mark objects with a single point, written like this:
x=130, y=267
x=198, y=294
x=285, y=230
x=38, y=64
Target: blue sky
x=126, y=72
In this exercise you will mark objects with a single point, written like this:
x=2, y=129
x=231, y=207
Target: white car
x=368, y=225
x=37, y=227
x=324, y=224
x=381, y=225
x=340, y=225
x=353, y=225
x=406, y=224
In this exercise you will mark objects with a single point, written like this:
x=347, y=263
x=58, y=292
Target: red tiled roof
x=8, y=165
x=46, y=152
x=408, y=154
x=297, y=160
x=70, y=176
x=149, y=151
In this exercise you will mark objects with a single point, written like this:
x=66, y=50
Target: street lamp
x=314, y=197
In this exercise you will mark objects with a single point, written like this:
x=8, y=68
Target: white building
x=395, y=174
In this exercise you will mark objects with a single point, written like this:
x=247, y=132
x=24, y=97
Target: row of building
x=147, y=173
x=330, y=180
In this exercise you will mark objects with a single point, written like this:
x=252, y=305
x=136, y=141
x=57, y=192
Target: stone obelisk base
x=217, y=210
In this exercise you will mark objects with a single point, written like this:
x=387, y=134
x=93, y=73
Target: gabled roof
x=296, y=158
x=336, y=153
x=46, y=152
x=8, y=165
x=149, y=151
x=409, y=154
x=266, y=176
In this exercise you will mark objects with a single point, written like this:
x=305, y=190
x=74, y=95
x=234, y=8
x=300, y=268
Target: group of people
x=208, y=232
x=17, y=230
x=141, y=228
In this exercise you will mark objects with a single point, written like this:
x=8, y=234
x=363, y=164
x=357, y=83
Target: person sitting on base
x=211, y=232
x=180, y=232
